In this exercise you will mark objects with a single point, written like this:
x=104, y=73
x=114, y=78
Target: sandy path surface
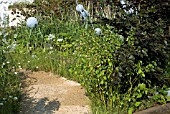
x=46, y=93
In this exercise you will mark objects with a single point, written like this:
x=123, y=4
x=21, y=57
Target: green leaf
x=137, y=104
x=130, y=111
x=110, y=64
x=142, y=86
x=105, y=78
x=102, y=82
x=139, y=95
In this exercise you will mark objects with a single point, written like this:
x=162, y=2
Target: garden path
x=46, y=93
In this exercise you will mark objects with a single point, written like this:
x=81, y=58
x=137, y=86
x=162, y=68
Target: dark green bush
x=124, y=75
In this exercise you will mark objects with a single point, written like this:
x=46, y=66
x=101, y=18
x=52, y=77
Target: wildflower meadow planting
x=119, y=51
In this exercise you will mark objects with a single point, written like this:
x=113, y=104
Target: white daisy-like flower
x=33, y=56
x=1, y=104
x=98, y=31
x=51, y=47
x=51, y=37
x=32, y=22
x=19, y=67
x=15, y=73
x=10, y=96
x=15, y=98
x=15, y=35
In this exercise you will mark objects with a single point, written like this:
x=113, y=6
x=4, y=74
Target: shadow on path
x=31, y=105
x=42, y=106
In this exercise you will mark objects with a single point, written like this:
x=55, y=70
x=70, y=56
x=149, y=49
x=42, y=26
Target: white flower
x=79, y=7
x=15, y=35
x=19, y=67
x=1, y=104
x=51, y=47
x=60, y=40
x=51, y=37
x=15, y=73
x=121, y=38
x=10, y=96
x=98, y=31
x=15, y=98
x=32, y=22
x=33, y=56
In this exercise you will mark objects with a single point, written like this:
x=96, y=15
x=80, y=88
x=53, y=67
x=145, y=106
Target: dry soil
x=46, y=93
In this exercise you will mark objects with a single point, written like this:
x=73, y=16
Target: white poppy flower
x=32, y=22
x=79, y=7
x=98, y=31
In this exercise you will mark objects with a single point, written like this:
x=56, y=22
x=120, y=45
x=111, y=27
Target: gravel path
x=46, y=93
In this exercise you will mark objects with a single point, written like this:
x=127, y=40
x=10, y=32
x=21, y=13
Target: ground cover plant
x=9, y=83
x=122, y=66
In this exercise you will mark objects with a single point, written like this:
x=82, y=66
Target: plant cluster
x=122, y=67
x=9, y=82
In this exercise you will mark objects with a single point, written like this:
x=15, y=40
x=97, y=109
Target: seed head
x=32, y=22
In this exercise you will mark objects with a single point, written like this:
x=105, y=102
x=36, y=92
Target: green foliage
x=9, y=83
x=118, y=68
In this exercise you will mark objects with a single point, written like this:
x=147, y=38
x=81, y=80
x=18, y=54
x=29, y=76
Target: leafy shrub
x=118, y=68
x=121, y=74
